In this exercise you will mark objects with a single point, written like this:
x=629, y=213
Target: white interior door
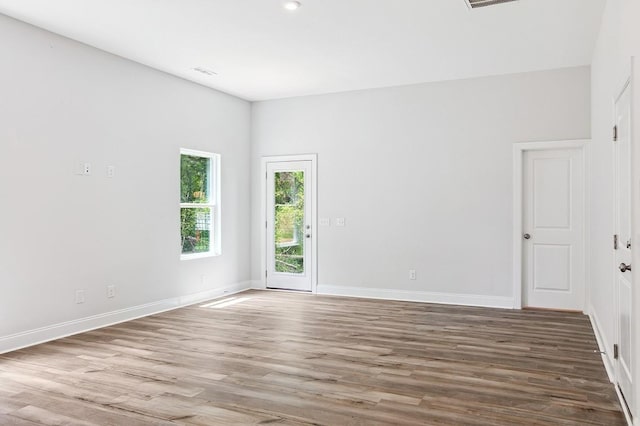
x=289, y=233
x=623, y=246
x=553, y=229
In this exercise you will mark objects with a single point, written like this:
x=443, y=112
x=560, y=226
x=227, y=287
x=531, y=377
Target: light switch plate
x=340, y=221
x=325, y=221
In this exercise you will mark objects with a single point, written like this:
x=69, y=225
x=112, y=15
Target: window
x=199, y=204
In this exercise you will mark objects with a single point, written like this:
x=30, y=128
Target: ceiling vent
x=474, y=4
x=205, y=71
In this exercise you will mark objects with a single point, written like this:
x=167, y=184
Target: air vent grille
x=205, y=71
x=474, y=4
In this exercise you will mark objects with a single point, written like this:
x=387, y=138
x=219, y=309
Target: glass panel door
x=288, y=225
x=289, y=222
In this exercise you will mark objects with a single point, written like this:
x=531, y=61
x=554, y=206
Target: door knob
x=624, y=268
x=526, y=236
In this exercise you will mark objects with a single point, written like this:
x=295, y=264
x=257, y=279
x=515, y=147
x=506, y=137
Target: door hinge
x=266, y=273
x=266, y=224
x=615, y=133
x=615, y=351
x=615, y=242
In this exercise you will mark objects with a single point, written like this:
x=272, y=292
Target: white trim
x=418, y=296
x=203, y=255
x=258, y=285
x=57, y=331
x=518, y=153
x=196, y=153
x=635, y=231
x=608, y=361
x=603, y=344
x=261, y=284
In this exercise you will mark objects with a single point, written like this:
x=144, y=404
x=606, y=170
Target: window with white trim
x=199, y=204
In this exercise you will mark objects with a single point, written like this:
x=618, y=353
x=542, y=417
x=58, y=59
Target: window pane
x=194, y=179
x=289, y=222
x=196, y=230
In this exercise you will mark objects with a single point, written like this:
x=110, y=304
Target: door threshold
x=292, y=290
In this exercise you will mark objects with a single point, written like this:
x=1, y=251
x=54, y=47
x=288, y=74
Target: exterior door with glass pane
x=289, y=232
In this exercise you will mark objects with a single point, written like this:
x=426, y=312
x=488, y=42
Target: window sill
x=198, y=255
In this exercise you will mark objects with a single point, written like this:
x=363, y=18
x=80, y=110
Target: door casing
x=518, y=165
x=313, y=158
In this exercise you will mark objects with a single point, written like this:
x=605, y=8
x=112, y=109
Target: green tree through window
x=198, y=203
x=289, y=222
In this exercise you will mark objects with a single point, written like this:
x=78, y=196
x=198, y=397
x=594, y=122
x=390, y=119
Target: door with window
x=289, y=220
x=623, y=351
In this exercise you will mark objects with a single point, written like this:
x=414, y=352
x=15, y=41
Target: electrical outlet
x=86, y=170
x=111, y=171
x=79, y=296
x=111, y=291
x=412, y=274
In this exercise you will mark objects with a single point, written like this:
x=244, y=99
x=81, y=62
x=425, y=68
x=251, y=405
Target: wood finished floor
x=284, y=358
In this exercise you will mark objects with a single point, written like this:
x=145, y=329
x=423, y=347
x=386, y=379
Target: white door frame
x=518, y=194
x=314, y=214
x=635, y=224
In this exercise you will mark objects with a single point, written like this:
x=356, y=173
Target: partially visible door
x=289, y=230
x=553, y=229
x=622, y=237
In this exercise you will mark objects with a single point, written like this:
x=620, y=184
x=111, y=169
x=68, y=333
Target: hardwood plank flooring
x=296, y=359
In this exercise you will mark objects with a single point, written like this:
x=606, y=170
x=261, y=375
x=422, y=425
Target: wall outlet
x=111, y=291
x=111, y=171
x=412, y=274
x=79, y=296
x=86, y=169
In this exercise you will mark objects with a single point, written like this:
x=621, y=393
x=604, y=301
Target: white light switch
x=325, y=221
x=340, y=221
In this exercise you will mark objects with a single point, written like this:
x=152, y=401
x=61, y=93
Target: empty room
x=319, y=212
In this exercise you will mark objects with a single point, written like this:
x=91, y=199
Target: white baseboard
x=603, y=344
x=34, y=337
x=258, y=285
x=418, y=296
x=607, y=360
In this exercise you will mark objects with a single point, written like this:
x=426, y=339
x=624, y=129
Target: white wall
x=619, y=39
x=423, y=176
x=62, y=102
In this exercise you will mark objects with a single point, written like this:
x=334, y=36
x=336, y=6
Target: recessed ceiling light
x=292, y=5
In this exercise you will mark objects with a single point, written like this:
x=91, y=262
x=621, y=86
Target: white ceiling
x=262, y=51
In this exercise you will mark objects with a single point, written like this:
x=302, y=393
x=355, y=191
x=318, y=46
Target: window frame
x=215, y=231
